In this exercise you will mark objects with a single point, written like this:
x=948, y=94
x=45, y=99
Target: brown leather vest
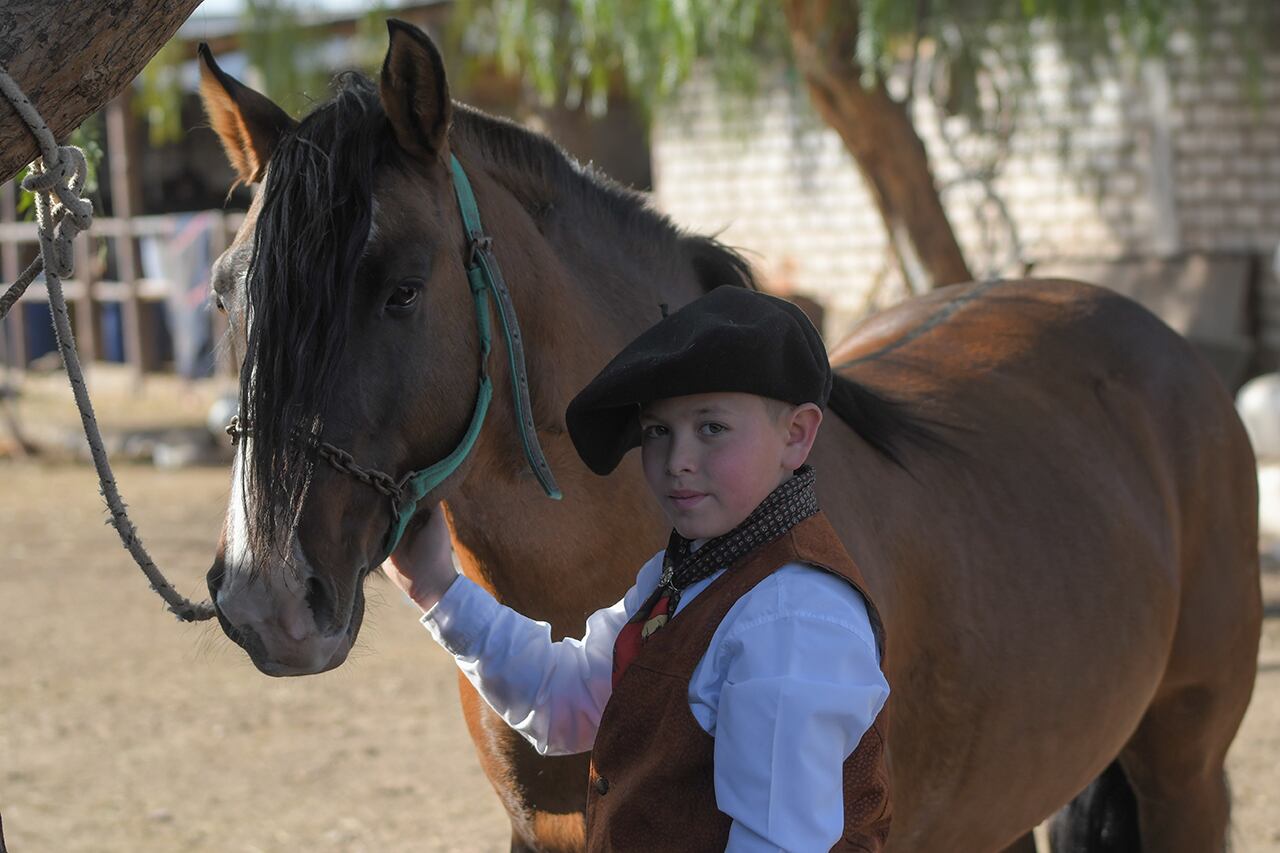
x=651, y=787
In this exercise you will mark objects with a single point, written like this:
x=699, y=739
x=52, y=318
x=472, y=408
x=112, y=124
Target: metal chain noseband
x=345, y=463
x=342, y=461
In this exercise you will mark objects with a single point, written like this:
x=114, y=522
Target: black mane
x=543, y=175
x=312, y=227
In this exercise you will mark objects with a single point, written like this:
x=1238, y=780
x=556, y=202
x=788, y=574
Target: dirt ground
x=124, y=730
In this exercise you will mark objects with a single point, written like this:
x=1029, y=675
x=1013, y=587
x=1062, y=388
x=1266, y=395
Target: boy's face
x=711, y=458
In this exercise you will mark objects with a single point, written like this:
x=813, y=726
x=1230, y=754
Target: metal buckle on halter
x=237, y=429
x=478, y=244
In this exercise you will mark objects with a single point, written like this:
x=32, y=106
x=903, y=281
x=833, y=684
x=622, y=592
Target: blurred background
x=857, y=153
x=856, y=157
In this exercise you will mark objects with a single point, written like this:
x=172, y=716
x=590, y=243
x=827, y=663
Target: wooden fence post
x=87, y=337
x=123, y=207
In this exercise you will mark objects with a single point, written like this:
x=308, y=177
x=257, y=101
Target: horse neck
x=583, y=286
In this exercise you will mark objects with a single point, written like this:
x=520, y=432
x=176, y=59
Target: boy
x=732, y=698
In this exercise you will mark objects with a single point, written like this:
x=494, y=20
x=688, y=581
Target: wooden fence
x=90, y=289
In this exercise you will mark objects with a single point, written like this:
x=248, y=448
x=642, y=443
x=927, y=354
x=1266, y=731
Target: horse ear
x=249, y=124
x=415, y=93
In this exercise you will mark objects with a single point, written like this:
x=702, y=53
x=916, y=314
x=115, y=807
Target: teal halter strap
x=485, y=278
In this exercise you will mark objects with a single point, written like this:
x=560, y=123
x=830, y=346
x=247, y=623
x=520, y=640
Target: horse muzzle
x=290, y=628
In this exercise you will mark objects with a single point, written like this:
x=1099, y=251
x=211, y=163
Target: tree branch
x=72, y=56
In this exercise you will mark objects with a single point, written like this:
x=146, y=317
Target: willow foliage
x=581, y=51
x=284, y=44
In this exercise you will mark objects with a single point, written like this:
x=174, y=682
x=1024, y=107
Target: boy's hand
x=422, y=564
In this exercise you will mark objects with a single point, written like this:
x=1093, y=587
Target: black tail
x=1103, y=818
x=883, y=423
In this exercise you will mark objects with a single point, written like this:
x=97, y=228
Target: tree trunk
x=72, y=56
x=878, y=132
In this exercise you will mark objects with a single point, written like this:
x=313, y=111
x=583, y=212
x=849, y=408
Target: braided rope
x=19, y=287
x=56, y=179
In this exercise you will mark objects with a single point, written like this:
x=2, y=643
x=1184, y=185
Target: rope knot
x=61, y=212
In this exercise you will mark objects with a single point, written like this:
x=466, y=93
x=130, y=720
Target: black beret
x=732, y=339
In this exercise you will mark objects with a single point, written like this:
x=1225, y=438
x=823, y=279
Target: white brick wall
x=1162, y=158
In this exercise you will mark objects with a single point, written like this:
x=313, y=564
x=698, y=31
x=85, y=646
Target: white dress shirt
x=788, y=686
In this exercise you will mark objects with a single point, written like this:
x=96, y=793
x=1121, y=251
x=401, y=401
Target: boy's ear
x=248, y=123
x=802, y=430
x=414, y=92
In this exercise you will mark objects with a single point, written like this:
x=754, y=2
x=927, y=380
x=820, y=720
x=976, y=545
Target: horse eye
x=404, y=296
x=218, y=303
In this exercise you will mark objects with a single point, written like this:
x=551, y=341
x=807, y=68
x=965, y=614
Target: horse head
x=347, y=287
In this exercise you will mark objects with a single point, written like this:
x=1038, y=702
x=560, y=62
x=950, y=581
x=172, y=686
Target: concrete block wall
x=1168, y=156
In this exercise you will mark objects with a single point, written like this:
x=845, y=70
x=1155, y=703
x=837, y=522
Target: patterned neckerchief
x=782, y=509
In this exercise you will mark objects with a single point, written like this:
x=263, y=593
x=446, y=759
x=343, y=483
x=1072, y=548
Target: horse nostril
x=321, y=603
x=216, y=575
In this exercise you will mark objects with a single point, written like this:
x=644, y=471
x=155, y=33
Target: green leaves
x=577, y=51
x=284, y=53
x=581, y=51
x=159, y=99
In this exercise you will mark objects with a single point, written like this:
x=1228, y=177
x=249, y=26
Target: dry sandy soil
x=123, y=730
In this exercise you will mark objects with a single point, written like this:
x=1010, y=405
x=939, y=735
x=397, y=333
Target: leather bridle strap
x=482, y=265
x=485, y=277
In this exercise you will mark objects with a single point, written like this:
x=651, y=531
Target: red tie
x=651, y=616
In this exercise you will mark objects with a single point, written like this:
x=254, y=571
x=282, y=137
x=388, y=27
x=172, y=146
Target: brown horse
x=1049, y=493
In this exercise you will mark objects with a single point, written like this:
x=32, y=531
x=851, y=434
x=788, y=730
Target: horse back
x=1039, y=393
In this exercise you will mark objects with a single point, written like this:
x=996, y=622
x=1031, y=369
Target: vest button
x=602, y=785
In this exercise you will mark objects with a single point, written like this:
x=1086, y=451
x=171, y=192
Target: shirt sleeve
x=800, y=690
x=552, y=693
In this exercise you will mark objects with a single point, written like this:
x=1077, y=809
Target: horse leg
x=1168, y=791
x=1174, y=763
